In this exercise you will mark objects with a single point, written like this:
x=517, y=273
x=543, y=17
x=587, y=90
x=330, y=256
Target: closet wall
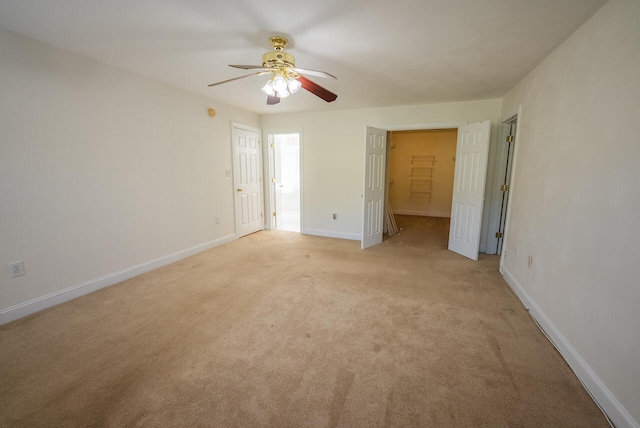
x=421, y=172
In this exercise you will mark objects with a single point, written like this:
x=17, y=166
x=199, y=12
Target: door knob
x=239, y=190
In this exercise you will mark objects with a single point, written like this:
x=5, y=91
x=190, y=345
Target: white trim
x=333, y=234
x=32, y=306
x=512, y=184
x=424, y=126
x=269, y=174
x=422, y=213
x=607, y=402
x=246, y=128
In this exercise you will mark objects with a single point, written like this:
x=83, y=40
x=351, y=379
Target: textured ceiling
x=383, y=53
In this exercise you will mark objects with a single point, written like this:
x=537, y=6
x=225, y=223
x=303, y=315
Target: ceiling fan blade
x=271, y=100
x=316, y=89
x=314, y=73
x=236, y=78
x=251, y=67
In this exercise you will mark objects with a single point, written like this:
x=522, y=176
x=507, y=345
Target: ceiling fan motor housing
x=278, y=59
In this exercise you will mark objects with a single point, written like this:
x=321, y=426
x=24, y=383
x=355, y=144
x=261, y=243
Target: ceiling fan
x=286, y=78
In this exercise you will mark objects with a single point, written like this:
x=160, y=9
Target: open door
x=468, y=188
x=374, y=176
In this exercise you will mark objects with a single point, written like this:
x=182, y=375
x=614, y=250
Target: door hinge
x=498, y=234
x=273, y=145
x=274, y=213
x=273, y=180
x=509, y=138
x=504, y=187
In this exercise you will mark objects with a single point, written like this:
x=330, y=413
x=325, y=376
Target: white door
x=247, y=179
x=468, y=188
x=374, y=185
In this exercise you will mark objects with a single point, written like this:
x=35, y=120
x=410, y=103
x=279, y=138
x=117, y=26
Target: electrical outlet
x=530, y=262
x=217, y=220
x=16, y=269
x=335, y=216
x=517, y=250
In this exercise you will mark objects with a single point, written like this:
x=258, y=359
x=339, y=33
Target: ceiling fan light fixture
x=268, y=88
x=279, y=83
x=293, y=85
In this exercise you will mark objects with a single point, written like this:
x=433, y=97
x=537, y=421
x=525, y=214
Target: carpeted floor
x=279, y=329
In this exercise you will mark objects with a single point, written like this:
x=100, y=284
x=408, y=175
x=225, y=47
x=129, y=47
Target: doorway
x=286, y=188
x=421, y=171
x=421, y=183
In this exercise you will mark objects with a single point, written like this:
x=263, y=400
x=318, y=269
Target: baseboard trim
x=608, y=403
x=423, y=213
x=32, y=306
x=332, y=234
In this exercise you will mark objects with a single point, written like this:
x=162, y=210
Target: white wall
x=333, y=154
x=576, y=203
x=102, y=171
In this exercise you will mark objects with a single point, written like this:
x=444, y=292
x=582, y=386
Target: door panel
x=468, y=188
x=373, y=209
x=247, y=168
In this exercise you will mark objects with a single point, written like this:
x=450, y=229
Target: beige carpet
x=279, y=329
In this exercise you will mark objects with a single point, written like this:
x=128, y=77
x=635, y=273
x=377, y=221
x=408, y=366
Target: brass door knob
x=239, y=190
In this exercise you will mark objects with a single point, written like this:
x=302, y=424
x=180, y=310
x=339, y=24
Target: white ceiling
x=384, y=53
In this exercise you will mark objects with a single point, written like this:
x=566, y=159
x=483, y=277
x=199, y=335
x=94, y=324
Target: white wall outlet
x=16, y=269
x=530, y=262
x=217, y=220
x=517, y=250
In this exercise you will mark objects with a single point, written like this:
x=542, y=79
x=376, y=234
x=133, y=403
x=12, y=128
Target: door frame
x=512, y=182
x=269, y=169
x=488, y=208
x=504, y=158
x=234, y=126
x=405, y=127
x=412, y=127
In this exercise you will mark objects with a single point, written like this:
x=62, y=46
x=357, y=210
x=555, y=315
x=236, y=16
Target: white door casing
x=507, y=182
x=499, y=196
x=277, y=184
x=247, y=167
x=468, y=188
x=374, y=186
